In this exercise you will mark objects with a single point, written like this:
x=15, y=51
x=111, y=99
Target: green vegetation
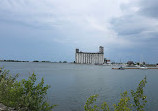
x=125, y=104
x=35, y=61
x=45, y=61
x=24, y=95
x=12, y=61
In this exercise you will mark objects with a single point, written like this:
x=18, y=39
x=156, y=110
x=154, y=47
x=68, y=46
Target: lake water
x=72, y=84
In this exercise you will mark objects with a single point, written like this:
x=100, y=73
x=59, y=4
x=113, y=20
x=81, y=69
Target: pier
x=137, y=68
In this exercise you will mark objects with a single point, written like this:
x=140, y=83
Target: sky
x=52, y=29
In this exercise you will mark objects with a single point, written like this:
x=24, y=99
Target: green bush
x=24, y=95
x=125, y=104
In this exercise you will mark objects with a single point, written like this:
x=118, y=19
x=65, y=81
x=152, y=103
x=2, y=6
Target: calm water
x=72, y=84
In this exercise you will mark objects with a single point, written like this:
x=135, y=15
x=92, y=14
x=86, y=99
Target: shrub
x=23, y=95
x=125, y=103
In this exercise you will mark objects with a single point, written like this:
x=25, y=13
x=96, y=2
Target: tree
x=138, y=63
x=143, y=63
x=130, y=63
x=35, y=61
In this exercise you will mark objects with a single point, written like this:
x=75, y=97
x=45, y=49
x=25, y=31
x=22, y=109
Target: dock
x=137, y=68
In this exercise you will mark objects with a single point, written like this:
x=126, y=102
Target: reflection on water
x=72, y=84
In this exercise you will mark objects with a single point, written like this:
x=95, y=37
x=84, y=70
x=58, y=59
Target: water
x=72, y=84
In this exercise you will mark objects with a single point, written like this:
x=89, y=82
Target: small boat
x=121, y=68
x=143, y=68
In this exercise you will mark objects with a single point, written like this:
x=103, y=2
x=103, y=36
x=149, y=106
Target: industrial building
x=90, y=58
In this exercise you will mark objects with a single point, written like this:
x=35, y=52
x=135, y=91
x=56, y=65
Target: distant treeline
x=12, y=61
x=50, y=61
x=31, y=61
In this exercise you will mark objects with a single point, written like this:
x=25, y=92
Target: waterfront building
x=90, y=58
x=107, y=61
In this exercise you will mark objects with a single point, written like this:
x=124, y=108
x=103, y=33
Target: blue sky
x=52, y=29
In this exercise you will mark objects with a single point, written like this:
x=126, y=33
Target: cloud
x=76, y=21
x=135, y=26
x=30, y=12
x=138, y=24
x=48, y=12
x=118, y=25
x=149, y=8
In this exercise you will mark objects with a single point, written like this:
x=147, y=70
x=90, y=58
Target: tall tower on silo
x=101, y=49
x=77, y=50
x=77, y=56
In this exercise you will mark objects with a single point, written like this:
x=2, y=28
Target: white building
x=90, y=58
